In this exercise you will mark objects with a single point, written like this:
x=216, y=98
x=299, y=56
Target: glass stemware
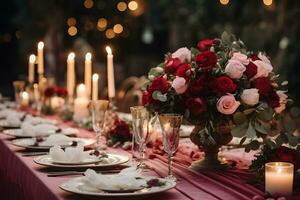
x=19, y=87
x=99, y=108
x=140, y=124
x=170, y=124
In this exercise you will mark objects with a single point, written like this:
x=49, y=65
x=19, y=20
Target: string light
x=102, y=23
x=71, y=21
x=88, y=3
x=133, y=5
x=118, y=28
x=268, y=2
x=72, y=30
x=224, y=2
x=109, y=33
x=122, y=6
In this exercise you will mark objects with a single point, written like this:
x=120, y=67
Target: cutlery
x=67, y=173
x=34, y=153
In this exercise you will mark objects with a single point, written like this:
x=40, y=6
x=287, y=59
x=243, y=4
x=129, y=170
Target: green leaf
x=260, y=128
x=271, y=144
x=250, y=133
x=295, y=111
x=289, y=126
x=157, y=95
x=194, y=51
x=266, y=114
x=248, y=111
x=227, y=38
x=240, y=130
x=293, y=141
x=239, y=118
x=253, y=145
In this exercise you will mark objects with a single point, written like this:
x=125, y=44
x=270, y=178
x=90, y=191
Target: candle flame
x=81, y=86
x=279, y=170
x=41, y=45
x=71, y=56
x=25, y=95
x=88, y=56
x=95, y=77
x=32, y=58
x=108, y=50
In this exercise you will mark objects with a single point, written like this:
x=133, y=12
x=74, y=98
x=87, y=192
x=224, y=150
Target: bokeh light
x=122, y=6
x=71, y=21
x=109, y=33
x=268, y=2
x=88, y=3
x=118, y=28
x=133, y=5
x=224, y=2
x=102, y=23
x=72, y=30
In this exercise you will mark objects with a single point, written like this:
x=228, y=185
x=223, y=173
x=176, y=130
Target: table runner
x=21, y=178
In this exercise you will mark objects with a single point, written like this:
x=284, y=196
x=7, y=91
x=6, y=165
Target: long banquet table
x=21, y=178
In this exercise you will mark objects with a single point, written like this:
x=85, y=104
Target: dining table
x=21, y=178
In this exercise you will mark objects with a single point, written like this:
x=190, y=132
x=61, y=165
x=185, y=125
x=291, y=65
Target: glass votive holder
x=279, y=178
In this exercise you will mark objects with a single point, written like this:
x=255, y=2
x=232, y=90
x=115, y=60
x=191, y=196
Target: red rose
x=50, y=91
x=61, y=92
x=263, y=85
x=225, y=85
x=201, y=85
x=196, y=106
x=206, y=60
x=146, y=98
x=171, y=65
x=159, y=84
x=251, y=70
x=205, y=45
x=184, y=71
x=254, y=57
x=121, y=130
x=273, y=99
x=285, y=154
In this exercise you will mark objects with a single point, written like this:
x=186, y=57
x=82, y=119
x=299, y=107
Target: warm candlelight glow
x=24, y=99
x=108, y=50
x=88, y=56
x=279, y=178
x=95, y=87
x=71, y=56
x=32, y=58
x=95, y=77
x=41, y=45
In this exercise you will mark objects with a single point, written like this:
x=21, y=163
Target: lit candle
x=279, y=178
x=88, y=73
x=40, y=58
x=110, y=73
x=36, y=91
x=95, y=87
x=31, y=68
x=71, y=75
x=24, y=99
x=81, y=103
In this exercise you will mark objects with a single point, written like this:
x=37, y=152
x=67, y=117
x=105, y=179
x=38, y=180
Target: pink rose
x=235, y=69
x=282, y=101
x=264, y=66
x=242, y=58
x=227, y=104
x=179, y=84
x=183, y=54
x=250, y=96
x=264, y=58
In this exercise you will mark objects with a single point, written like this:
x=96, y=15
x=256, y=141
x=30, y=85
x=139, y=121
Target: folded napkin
x=56, y=139
x=13, y=119
x=70, y=154
x=38, y=120
x=125, y=180
x=38, y=130
x=7, y=112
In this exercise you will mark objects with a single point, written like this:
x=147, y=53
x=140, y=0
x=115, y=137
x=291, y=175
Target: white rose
x=179, y=84
x=282, y=101
x=235, y=69
x=263, y=68
x=264, y=58
x=183, y=54
x=250, y=96
x=240, y=57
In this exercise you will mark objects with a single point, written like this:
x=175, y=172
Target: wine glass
x=99, y=108
x=170, y=124
x=140, y=124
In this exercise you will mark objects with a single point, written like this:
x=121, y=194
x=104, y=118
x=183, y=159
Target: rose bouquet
x=223, y=89
x=54, y=99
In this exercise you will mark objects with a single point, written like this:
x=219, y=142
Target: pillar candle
x=24, y=99
x=31, y=68
x=40, y=54
x=110, y=73
x=71, y=74
x=81, y=91
x=95, y=87
x=88, y=73
x=279, y=178
x=81, y=103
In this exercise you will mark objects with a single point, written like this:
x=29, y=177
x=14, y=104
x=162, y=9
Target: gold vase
x=221, y=136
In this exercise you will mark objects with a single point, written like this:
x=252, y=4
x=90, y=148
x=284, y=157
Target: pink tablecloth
x=21, y=178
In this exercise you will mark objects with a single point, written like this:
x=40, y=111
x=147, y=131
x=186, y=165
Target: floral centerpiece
x=223, y=89
x=54, y=99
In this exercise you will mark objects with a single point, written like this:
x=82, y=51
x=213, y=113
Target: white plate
x=29, y=143
x=19, y=132
x=113, y=159
x=77, y=186
x=4, y=124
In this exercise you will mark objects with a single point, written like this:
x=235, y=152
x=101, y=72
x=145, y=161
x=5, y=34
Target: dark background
x=151, y=30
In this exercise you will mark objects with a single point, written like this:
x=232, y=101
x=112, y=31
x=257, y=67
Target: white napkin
x=13, y=119
x=38, y=120
x=56, y=139
x=38, y=130
x=6, y=112
x=125, y=180
x=71, y=154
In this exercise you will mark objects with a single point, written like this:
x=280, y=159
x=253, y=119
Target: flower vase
x=210, y=143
